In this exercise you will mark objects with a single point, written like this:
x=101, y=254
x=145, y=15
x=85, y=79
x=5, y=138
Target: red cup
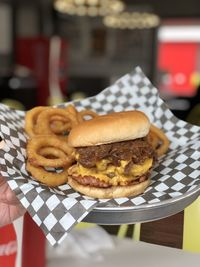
x=8, y=246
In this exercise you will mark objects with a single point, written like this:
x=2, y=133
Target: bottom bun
x=111, y=192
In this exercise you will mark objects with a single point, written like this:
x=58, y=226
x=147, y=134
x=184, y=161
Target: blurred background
x=54, y=51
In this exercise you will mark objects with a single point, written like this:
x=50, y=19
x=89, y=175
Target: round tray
x=143, y=213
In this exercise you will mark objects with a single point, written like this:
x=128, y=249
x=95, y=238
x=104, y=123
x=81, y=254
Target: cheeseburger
x=113, y=156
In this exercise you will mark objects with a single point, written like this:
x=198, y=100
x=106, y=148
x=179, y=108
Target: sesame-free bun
x=111, y=192
x=110, y=128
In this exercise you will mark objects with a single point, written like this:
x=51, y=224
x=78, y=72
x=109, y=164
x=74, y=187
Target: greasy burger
x=113, y=156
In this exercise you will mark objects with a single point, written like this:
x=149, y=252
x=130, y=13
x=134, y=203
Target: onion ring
x=35, y=145
x=59, y=127
x=71, y=109
x=60, y=124
x=153, y=139
x=52, y=152
x=43, y=125
x=163, y=145
x=46, y=177
x=86, y=113
x=31, y=119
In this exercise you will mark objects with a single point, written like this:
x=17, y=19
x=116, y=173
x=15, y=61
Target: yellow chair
x=191, y=227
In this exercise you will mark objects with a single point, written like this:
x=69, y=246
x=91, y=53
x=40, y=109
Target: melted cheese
x=103, y=169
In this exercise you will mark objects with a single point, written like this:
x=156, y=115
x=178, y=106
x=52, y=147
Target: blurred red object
x=8, y=246
x=33, y=244
x=178, y=62
x=34, y=54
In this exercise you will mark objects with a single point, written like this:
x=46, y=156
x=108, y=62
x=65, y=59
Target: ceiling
x=164, y=8
x=171, y=8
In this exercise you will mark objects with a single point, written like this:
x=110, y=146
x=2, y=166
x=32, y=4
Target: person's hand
x=10, y=207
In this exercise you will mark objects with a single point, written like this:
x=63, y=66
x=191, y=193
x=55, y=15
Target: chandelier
x=89, y=7
x=132, y=20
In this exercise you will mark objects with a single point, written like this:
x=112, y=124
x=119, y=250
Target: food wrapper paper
x=57, y=210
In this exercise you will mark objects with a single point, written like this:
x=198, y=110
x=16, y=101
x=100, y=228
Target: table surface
x=129, y=253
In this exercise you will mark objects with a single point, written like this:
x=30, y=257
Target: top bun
x=110, y=128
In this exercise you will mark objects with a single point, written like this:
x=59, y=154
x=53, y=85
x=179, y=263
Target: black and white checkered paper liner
x=59, y=209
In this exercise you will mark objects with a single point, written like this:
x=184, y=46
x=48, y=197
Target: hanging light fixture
x=132, y=20
x=89, y=7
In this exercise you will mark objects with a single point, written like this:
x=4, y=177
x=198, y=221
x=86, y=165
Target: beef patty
x=95, y=182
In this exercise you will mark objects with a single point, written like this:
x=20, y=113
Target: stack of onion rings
x=47, y=148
